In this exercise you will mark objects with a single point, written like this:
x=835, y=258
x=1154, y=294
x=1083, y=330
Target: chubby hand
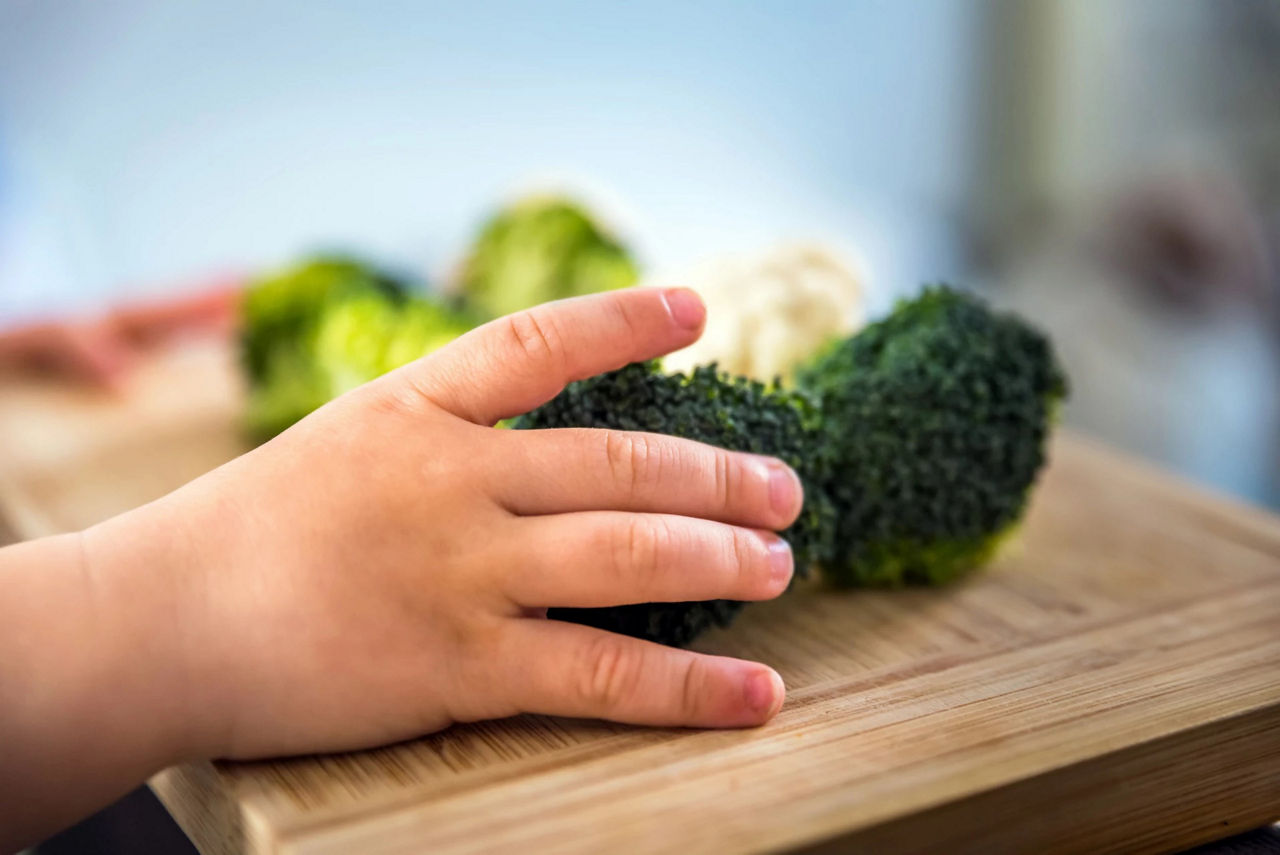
x=383, y=569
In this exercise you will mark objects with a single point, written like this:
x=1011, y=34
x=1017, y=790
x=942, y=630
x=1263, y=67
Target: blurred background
x=1110, y=169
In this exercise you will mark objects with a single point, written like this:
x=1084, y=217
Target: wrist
x=149, y=583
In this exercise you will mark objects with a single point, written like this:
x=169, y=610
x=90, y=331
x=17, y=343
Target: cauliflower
x=768, y=313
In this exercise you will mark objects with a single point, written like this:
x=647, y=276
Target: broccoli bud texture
x=935, y=421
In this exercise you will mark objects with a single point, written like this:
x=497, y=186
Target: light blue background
x=146, y=143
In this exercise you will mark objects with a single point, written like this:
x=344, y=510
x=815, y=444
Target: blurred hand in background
x=101, y=350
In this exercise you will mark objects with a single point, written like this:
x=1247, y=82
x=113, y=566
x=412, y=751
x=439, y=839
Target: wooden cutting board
x=1111, y=682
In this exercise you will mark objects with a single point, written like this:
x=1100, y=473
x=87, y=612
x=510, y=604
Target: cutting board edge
x=1199, y=760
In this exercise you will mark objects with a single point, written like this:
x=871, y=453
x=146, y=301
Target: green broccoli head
x=329, y=326
x=935, y=421
x=362, y=338
x=538, y=250
x=280, y=309
x=708, y=406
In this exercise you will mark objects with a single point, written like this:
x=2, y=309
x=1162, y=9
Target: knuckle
x=743, y=556
x=631, y=457
x=535, y=337
x=726, y=475
x=692, y=685
x=617, y=452
x=634, y=550
x=609, y=677
x=638, y=553
x=649, y=540
x=626, y=319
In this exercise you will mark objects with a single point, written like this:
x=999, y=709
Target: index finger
x=212, y=308
x=520, y=361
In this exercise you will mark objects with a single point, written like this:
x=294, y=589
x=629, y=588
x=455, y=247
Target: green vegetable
x=712, y=407
x=542, y=249
x=280, y=310
x=935, y=421
x=327, y=326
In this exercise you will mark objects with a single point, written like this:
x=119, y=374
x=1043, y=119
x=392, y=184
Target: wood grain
x=1111, y=683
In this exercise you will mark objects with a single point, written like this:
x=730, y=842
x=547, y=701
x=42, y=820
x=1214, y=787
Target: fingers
x=610, y=558
x=560, y=668
x=572, y=469
x=93, y=352
x=212, y=308
x=514, y=364
x=102, y=350
x=84, y=350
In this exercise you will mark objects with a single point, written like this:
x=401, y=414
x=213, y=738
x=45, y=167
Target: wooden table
x=1111, y=682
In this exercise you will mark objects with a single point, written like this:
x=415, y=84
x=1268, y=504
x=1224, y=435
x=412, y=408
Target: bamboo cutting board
x=1111, y=682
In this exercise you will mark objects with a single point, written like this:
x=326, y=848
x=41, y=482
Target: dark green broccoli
x=711, y=407
x=542, y=249
x=327, y=326
x=935, y=421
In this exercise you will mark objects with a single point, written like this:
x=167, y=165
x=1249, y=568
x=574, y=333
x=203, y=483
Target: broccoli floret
x=362, y=338
x=538, y=250
x=281, y=309
x=326, y=327
x=935, y=422
x=709, y=406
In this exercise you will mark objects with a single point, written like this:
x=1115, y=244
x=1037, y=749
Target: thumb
x=520, y=361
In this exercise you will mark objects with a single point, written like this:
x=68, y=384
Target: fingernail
x=781, y=563
x=784, y=488
x=763, y=693
x=686, y=307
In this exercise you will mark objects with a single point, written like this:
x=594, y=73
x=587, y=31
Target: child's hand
x=383, y=568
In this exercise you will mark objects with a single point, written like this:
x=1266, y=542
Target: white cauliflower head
x=767, y=313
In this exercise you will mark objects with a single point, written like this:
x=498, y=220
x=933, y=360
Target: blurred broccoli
x=935, y=421
x=326, y=326
x=542, y=249
x=712, y=407
x=279, y=310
